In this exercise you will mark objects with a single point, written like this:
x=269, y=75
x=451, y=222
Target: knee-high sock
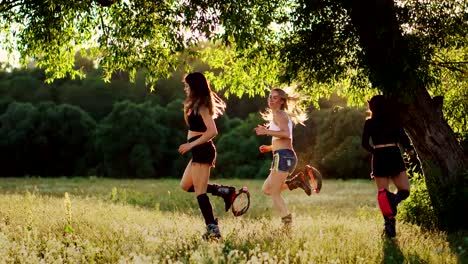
x=205, y=208
x=387, y=203
x=402, y=195
x=214, y=189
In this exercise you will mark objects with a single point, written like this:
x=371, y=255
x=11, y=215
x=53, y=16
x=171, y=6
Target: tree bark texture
x=393, y=69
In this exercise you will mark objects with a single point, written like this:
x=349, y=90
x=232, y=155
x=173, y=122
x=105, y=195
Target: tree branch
x=6, y=6
x=452, y=65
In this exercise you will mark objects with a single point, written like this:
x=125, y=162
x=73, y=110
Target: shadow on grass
x=459, y=245
x=391, y=251
x=393, y=254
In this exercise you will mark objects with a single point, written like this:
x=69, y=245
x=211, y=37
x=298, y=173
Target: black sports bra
x=195, y=122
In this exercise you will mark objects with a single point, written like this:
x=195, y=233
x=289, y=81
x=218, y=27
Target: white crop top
x=272, y=126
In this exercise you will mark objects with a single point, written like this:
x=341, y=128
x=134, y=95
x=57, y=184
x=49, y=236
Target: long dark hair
x=384, y=109
x=378, y=107
x=201, y=95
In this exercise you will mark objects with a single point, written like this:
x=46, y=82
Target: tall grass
x=93, y=220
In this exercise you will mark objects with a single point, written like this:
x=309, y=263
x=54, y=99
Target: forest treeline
x=122, y=130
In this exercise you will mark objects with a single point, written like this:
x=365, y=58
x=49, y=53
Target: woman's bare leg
x=382, y=182
x=277, y=179
x=401, y=181
x=186, y=182
x=266, y=188
x=201, y=175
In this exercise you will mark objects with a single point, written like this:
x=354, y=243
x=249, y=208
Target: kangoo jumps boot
x=388, y=205
x=299, y=181
x=390, y=227
x=287, y=221
x=228, y=193
x=212, y=231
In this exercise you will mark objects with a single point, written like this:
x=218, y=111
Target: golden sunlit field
x=94, y=220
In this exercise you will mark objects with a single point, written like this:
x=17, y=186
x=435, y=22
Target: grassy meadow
x=95, y=220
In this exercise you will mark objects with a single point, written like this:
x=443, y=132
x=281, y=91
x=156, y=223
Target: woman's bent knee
x=184, y=187
x=266, y=191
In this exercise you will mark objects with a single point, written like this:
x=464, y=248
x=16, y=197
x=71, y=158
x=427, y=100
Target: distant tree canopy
x=46, y=139
x=121, y=130
x=133, y=137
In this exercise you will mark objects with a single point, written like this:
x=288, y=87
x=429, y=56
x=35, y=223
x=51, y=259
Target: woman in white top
x=284, y=156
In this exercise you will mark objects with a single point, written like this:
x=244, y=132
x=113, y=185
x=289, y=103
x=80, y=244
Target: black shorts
x=387, y=162
x=204, y=153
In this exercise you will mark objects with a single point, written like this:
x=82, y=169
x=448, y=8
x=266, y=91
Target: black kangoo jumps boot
x=390, y=227
x=212, y=231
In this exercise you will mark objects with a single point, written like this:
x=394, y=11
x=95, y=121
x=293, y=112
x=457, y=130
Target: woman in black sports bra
x=201, y=107
x=387, y=134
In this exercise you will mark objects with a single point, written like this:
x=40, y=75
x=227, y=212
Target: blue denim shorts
x=284, y=160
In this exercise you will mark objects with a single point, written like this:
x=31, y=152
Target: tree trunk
x=434, y=139
x=393, y=68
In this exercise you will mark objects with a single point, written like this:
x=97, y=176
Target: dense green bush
x=418, y=208
x=17, y=127
x=141, y=138
x=23, y=87
x=172, y=117
x=47, y=140
x=133, y=141
x=238, y=155
x=64, y=136
x=336, y=147
x=4, y=103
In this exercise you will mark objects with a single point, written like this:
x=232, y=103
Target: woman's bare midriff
x=282, y=143
x=192, y=134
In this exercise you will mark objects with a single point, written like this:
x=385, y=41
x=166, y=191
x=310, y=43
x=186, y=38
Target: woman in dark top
x=387, y=133
x=201, y=107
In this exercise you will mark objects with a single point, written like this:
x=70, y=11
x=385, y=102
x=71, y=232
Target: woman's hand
x=184, y=148
x=264, y=148
x=261, y=130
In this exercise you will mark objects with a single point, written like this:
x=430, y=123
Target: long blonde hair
x=291, y=106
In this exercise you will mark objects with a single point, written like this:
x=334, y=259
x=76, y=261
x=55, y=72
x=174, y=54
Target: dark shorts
x=387, y=162
x=284, y=160
x=204, y=153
